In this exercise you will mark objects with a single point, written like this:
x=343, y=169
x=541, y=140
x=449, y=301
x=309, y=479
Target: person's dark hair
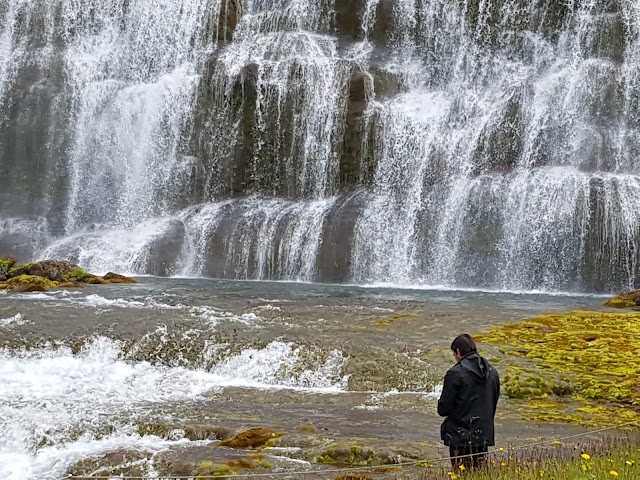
x=464, y=344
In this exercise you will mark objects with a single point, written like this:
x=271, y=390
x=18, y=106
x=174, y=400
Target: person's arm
x=449, y=394
x=497, y=392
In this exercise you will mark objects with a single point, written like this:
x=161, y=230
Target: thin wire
x=344, y=470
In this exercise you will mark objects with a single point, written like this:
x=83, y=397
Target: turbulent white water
x=16, y=320
x=56, y=408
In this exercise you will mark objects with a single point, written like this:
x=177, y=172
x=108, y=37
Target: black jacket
x=469, y=398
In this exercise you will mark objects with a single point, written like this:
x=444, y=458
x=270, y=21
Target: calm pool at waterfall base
x=150, y=375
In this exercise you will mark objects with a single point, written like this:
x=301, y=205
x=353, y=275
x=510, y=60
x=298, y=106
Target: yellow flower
x=461, y=467
x=586, y=456
x=503, y=464
x=501, y=449
x=630, y=462
x=613, y=473
x=452, y=475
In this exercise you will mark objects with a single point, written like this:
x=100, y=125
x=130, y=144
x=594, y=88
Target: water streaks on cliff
x=488, y=144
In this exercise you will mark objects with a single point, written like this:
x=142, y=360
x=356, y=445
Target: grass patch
x=79, y=274
x=610, y=458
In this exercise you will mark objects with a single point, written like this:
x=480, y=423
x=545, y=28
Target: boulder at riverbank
x=625, y=300
x=46, y=274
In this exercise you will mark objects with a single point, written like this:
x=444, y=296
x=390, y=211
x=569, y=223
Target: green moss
x=28, y=283
x=207, y=469
x=79, y=274
x=19, y=270
x=574, y=366
x=242, y=464
x=6, y=263
x=253, y=438
x=116, y=278
x=349, y=454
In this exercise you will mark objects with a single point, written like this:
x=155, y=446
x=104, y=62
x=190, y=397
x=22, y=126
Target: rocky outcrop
x=625, y=300
x=117, y=278
x=51, y=269
x=360, y=86
x=230, y=13
x=46, y=274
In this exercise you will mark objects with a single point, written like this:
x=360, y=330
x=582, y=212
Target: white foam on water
x=288, y=459
x=374, y=401
x=277, y=366
x=99, y=301
x=213, y=316
x=16, y=320
x=268, y=307
x=49, y=396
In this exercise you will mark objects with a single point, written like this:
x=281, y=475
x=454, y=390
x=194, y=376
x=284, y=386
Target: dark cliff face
x=465, y=143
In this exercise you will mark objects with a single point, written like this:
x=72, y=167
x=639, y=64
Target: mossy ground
x=253, y=438
x=577, y=367
x=29, y=283
x=29, y=278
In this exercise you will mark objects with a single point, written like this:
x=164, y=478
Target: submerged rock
x=117, y=278
x=252, y=438
x=116, y=463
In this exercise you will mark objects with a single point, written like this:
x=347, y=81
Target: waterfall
x=511, y=161
x=477, y=143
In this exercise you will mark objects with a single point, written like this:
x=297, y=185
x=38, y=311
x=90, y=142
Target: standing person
x=469, y=398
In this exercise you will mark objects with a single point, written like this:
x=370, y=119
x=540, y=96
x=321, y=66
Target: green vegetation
x=80, y=275
x=27, y=283
x=577, y=367
x=253, y=438
x=607, y=460
x=6, y=263
x=210, y=468
x=41, y=276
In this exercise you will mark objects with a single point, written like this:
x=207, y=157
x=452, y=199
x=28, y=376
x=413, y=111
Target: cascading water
x=488, y=144
x=510, y=162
